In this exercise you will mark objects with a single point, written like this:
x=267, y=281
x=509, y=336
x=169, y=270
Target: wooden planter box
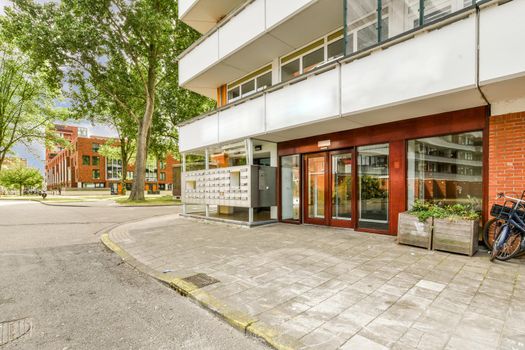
x=411, y=231
x=456, y=236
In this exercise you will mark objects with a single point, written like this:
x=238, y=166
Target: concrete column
x=207, y=167
x=184, y=208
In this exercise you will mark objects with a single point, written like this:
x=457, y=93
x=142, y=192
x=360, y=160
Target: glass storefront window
x=446, y=169
x=342, y=186
x=290, y=187
x=373, y=179
x=227, y=155
x=195, y=162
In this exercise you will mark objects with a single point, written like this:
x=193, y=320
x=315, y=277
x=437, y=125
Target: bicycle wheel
x=509, y=247
x=489, y=231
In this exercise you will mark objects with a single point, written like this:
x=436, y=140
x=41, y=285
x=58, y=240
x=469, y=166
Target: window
x=290, y=70
x=264, y=81
x=163, y=176
x=129, y=175
x=162, y=187
x=312, y=56
x=250, y=84
x=151, y=170
x=162, y=165
x=248, y=87
x=234, y=93
x=99, y=185
x=114, y=169
x=446, y=169
x=311, y=60
x=335, y=49
x=86, y=160
x=96, y=174
x=95, y=160
x=95, y=147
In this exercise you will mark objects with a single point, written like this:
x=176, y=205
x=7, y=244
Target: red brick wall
x=506, y=154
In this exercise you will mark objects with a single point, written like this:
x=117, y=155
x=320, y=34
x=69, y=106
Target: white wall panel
x=245, y=26
x=200, y=133
x=312, y=99
x=243, y=120
x=433, y=63
x=200, y=58
x=502, y=38
x=184, y=5
x=277, y=10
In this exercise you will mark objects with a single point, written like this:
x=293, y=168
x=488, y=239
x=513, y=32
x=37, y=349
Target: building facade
x=79, y=165
x=360, y=106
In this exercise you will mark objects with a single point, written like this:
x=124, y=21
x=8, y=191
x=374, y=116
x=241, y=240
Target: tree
x=21, y=177
x=122, y=149
x=117, y=48
x=26, y=103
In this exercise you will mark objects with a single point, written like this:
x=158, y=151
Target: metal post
x=421, y=12
x=345, y=26
x=207, y=167
x=379, y=20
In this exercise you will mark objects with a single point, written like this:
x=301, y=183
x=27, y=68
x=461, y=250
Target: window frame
x=93, y=172
x=84, y=157
x=239, y=83
x=327, y=39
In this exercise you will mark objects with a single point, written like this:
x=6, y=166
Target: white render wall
x=502, y=42
x=433, y=63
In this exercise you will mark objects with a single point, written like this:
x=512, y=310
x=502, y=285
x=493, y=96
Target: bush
x=424, y=210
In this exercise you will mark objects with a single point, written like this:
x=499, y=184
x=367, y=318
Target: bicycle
x=509, y=237
x=500, y=214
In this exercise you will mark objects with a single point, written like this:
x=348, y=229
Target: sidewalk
x=324, y=288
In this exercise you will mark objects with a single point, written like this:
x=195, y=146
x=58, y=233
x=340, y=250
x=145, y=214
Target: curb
x=239, y=320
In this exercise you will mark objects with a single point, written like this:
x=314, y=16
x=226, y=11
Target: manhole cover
x=12, y=330
x=201, y=280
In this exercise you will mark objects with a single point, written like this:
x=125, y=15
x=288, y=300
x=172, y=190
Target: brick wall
x=506, y=154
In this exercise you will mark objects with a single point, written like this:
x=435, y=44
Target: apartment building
x=79, y=165
x=343, y=113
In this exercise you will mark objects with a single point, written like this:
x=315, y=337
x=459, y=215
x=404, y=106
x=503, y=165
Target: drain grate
x=12, y=330
x=201, y=280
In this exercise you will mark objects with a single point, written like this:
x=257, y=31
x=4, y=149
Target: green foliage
x=27, y=103
x=371, y=188
x=425, y=210
x=21, y=177
x=121, y=58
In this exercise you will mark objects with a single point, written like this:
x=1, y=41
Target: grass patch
x=163, y=201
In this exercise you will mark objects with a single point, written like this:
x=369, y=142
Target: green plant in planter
x=424, y=210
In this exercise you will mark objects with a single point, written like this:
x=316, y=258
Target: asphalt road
x=75, y=294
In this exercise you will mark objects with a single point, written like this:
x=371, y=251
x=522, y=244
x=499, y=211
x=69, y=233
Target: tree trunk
x=137, y=190
x=124, y=160
x=20, y=190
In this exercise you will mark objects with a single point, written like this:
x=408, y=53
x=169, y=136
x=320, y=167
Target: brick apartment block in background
x=343, y=113
x=81, y=166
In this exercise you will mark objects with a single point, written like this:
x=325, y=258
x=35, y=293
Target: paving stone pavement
x=336, y=288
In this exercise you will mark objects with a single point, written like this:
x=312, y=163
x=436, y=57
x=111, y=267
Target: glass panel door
x=373, y=179
x=342, y=183
x=315, y=188
x=290, y=187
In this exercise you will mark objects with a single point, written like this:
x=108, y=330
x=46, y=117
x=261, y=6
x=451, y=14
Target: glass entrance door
x=328, y=188
x=342, y=188
x=373, y=173
x=316, y=188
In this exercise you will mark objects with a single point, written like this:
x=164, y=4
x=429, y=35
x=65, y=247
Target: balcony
x=203, y=15
x=431, y=73
x=254, y=35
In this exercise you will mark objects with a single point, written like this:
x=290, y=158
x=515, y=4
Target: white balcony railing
x=431, y=64
x=243, y=26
